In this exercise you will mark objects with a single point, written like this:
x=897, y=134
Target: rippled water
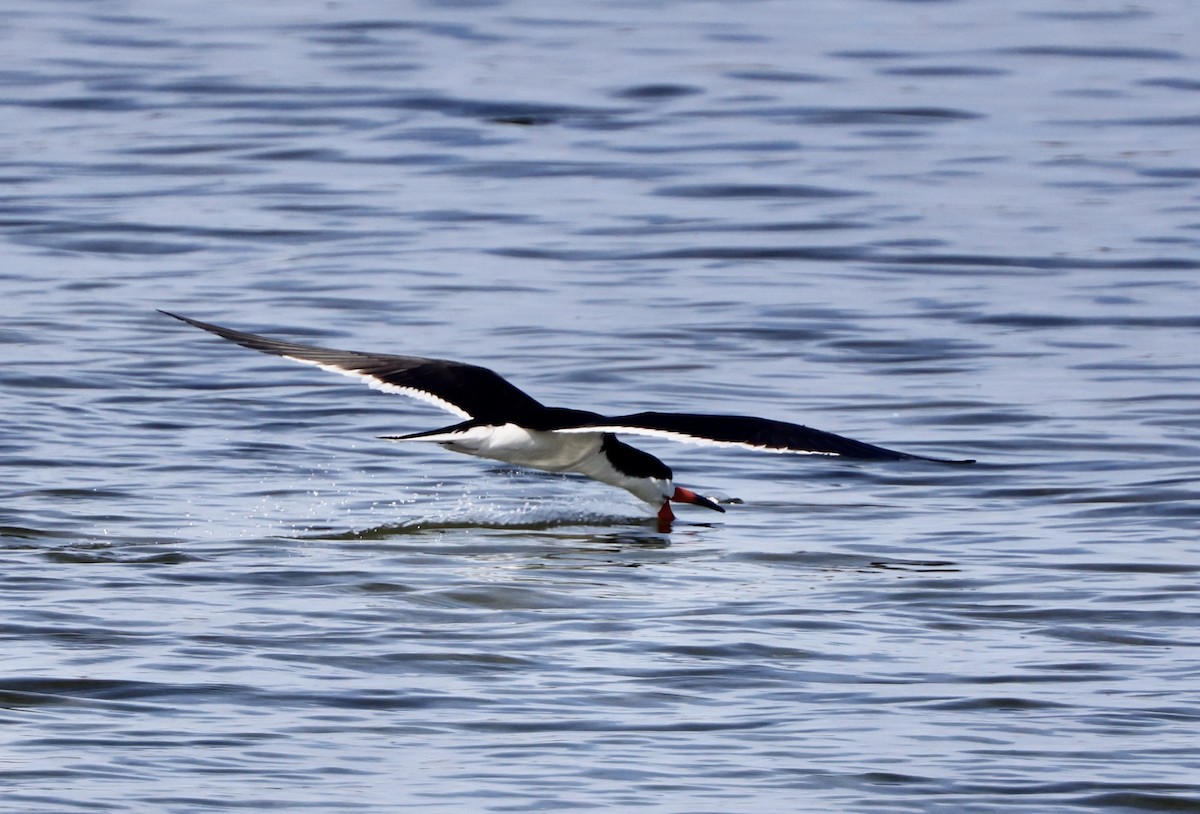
x=955, y=228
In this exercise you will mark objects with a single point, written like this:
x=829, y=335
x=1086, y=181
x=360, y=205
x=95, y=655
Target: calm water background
x=962, y=228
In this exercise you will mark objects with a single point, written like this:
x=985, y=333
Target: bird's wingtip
x=173, y=315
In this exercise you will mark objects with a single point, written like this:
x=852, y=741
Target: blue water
x=954, y=228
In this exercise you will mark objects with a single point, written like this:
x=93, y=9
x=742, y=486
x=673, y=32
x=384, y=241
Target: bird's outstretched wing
x=745, y=431
x=468, y=391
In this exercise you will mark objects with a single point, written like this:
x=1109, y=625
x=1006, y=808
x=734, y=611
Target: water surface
x=951, y=228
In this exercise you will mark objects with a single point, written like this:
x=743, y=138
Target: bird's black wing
x=468, y=391
x=745, y=431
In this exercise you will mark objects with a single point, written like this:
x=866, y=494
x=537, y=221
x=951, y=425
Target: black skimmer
x=506, y=424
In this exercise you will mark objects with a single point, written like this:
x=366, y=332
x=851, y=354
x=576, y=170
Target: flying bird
x=503, y=423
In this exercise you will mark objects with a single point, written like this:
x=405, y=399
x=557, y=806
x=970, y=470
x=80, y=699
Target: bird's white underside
x=579, y=452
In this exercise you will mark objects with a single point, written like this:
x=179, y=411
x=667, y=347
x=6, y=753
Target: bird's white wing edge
x=377, y=383
x=691, y=439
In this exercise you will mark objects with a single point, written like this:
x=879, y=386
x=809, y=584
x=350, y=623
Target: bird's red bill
x=688, y=496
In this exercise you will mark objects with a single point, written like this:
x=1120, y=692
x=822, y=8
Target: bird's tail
x=451, y=433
